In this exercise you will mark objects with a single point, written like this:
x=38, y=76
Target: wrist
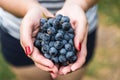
x=17, y=7
x=33, y=4
x=38, y=8
x=84, y=4
x=80, y=3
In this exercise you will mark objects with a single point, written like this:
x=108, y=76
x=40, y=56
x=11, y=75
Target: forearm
x=85, y=4
x=17, y=7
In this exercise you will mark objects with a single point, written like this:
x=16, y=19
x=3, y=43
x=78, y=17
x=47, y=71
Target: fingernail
x=79, y=46
x=27, y=50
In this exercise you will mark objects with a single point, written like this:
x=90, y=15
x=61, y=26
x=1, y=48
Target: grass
x=105, y=65
x=5, y=72
x=109, y=11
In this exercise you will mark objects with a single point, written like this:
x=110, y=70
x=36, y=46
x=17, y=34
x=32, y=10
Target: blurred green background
x=106, y=62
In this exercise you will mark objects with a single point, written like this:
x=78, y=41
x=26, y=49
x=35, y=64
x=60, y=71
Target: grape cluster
x=55, y=40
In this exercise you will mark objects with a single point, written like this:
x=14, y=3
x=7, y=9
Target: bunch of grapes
x=55, y=40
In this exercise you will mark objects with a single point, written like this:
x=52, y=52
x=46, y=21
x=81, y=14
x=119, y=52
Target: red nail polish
x=79, y=47
x=27, y=50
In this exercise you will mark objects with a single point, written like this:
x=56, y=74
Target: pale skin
x=32, y=11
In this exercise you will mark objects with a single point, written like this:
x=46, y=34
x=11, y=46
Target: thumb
x=26, y=36
x=80, y=31
x=47, y=14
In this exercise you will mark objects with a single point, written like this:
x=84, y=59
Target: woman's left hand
x=79, y=23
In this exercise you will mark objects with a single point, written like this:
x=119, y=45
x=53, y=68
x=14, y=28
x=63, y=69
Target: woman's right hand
x=29, y=28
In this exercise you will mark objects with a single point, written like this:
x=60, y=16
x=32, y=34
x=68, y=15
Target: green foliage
x=111, y=11
x=5, y=72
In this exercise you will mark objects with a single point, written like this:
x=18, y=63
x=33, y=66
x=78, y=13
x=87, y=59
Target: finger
x=26, y=36
x=60, y=70
x=42, y=67
x=72, y=24
x=79, y=62
x=53, y=75
x=79, y=34
x=47, y=14
x=66, y=69
x=81, y=56
x=35, y=32
x=53, y=70
x=37, y=57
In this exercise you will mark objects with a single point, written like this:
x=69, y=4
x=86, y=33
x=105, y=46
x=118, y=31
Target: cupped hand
x=79, y=23
x=29, y=27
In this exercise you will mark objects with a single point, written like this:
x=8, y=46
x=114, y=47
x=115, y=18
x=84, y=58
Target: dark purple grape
x=66, y=26
x=59, y=36
x=43, y=21
x=58, y=44
x=65, y=19
x=53, y=51
x=68, y=47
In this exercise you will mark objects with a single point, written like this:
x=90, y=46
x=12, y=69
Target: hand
x=80, y=25
x=29, y=27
